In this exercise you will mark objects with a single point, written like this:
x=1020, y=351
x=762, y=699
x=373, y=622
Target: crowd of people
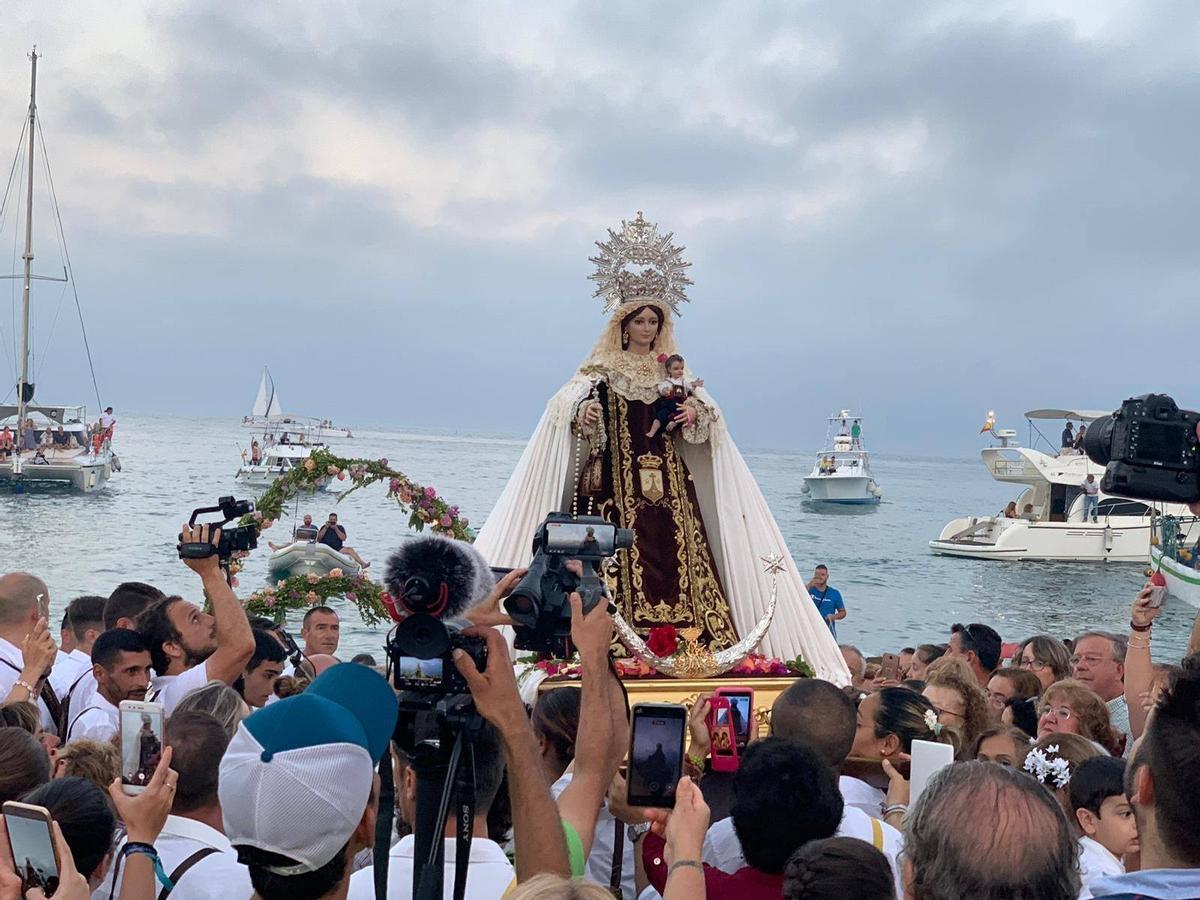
x=1076, y=766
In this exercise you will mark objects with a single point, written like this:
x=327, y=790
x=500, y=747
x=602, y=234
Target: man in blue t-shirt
x=828, y=599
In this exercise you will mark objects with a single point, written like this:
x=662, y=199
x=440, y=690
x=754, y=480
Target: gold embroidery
x=650, y=476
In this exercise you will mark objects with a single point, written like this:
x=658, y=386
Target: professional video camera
x=1149, y=450
x=242, y=538
x=539, y=605
x=433, y=581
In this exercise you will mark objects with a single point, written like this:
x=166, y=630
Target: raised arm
x=1139, y=667
x=235, y=640
x=603, y=728
x=537, y=832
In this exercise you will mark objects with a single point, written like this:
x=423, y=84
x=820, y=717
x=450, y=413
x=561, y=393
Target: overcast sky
x=920, y=210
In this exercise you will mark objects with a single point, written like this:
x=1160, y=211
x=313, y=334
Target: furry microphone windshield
x=437, y=576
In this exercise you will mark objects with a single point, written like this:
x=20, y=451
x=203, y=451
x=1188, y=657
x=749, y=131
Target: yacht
x=842, y=471
x=1046, y=519
x=1175, y=552
x=64, y=450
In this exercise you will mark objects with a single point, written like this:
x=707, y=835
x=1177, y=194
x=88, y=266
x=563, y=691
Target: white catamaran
x=49, y=443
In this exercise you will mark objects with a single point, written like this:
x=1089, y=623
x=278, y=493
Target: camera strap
x=383, y=824
x=466, y=821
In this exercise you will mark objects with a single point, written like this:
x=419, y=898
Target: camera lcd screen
x=415, y=671
x=655, y=758
x=1158, y=442
x=566, y=538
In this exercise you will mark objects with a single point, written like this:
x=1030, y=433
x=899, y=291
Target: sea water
x=897, y=592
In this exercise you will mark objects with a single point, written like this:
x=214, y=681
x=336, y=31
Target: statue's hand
x=686, y=416
x=591, y=413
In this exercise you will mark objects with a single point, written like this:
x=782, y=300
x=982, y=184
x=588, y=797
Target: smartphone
x=890, y=667
x=32, y=845
x=928, y=758
x=741, y=704
x=141, y=743
x=656, y=753
x=722, y=735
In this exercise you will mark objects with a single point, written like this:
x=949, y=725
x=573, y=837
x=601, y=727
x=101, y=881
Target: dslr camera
x=240, y=539
x=539, y=605
x=1149, y=450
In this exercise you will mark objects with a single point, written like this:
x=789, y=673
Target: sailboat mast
x=22, y=385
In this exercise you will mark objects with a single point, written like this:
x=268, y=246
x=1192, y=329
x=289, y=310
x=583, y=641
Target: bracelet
x=696, y=760
x=684, y=864
x=901, y=808
x=148, y=849
x=28, y=687
x=1139, y=645
x=1142, y=628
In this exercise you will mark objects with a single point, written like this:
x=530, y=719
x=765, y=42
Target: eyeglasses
x=949, y=712
x=1091, y=659
x=1033, y=665
x=997, y=700
x=1062, y=713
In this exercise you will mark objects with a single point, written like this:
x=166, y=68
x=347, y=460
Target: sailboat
x=43, y=443
x=284, y=441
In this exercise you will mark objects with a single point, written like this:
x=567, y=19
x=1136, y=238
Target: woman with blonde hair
x=555, y=887
x=1071, y=707
x=960, y=702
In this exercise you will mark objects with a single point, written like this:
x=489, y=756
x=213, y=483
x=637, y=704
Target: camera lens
x=1097, y=441
x=520, y=604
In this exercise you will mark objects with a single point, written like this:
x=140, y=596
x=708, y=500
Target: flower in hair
x=932, y=723
x=1047, y=770
x=662, y=357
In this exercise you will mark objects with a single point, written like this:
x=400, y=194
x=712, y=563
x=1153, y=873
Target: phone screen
x=656, y=753
x=33, y=851
x=740, y=708
x=141, y=743
x=723, y=736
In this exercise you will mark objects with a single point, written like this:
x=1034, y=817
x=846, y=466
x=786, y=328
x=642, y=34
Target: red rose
x=662, y=640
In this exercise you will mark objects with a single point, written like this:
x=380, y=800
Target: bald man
x=27, y=649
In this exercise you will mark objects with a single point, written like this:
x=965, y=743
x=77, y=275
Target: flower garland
x=422, y=503
x=303, y=591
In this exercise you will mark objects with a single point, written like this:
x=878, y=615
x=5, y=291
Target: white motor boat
x=1175, y=558
x=277, y=460
x=64, y=451
x=842, y=471
x=301, y=557
x=1047, y=518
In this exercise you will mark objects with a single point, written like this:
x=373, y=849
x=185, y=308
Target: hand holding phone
x=722, y=737
x=656, y=753
x=741, y=706
x=141, y=727
x=890, y=668
x=31, y=842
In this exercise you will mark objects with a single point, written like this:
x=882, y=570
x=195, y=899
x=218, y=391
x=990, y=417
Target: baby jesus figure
x=672, y=392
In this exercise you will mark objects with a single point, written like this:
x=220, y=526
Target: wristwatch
x=635, y=832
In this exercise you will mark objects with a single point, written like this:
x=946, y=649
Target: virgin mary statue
x=701, y=525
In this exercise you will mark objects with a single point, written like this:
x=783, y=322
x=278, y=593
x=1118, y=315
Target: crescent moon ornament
x=695, y=661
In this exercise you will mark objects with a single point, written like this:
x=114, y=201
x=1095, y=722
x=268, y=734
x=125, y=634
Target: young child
x=1104, y=817
x=671, y=392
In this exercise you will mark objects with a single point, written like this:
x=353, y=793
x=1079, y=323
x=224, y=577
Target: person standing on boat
x=1091, y=497
x=334, y=535
x=856, y=435
x=828, y=599
x=28, y=436
x=108, y=421
x=255, y=452
x=1079, y=438
x=1068, y=437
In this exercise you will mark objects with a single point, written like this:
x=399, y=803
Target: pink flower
x=383, y=461
x=445, y=520
x=309, y=465
x=335, y=573
x=352, y=597
x=313, y=578
x=430, y=493
x=394, y=486
x=312, y=598
x=269, y=602
x=464, y=522
x=280, y=583
x=267, y=523
x=331, y=469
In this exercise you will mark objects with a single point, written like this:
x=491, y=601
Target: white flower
x=931, y=721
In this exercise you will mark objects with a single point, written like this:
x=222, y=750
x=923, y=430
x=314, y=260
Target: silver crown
x=639, y=244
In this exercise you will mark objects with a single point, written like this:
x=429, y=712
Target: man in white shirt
x=84, y=623
x=121, y=666
x=27, y=649
x=489, y=872
x=188, y=647
x=194, y=830
x=107, y=419
x=1091, y=498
